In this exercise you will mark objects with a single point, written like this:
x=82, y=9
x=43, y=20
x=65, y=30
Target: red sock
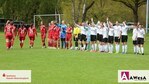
x=21, y=45
x=55, y=44
x=49, y=44
x=70, y=44
x=43, y=43
x=66, y=44
x=9, y=44
x=32, y=43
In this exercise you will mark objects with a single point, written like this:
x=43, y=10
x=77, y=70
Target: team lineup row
x=87, y=36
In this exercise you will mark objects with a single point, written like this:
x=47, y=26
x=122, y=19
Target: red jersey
x=43, y=30
x=69, y=30
x=22, y=32
x=51, y=29
x=57, y=31
x=9, y=30
x=32, y=31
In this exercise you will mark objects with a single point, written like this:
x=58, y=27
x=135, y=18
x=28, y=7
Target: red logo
x=4, y=74
x=125, y=75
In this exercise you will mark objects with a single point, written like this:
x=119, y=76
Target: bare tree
x=86, y=8
x=133, y=5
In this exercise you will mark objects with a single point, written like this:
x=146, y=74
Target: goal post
x=57, y=17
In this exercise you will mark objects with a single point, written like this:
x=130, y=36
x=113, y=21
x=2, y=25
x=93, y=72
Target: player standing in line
x=98, y=34
x=63, y=27
x=88, y=33
x=110, y=36
x=56, y=37
x=8, y=30
x=69, y=37
x=76, y=35
x=32, y=33
x=83, y=38
x=117, y=36
x=124, y=38
x=22, y=32
x=134, y=38
x=105, y=37
x=140, y=39
x=101, y=47
x=50, y=34
x=93, y=33
x=43, y=32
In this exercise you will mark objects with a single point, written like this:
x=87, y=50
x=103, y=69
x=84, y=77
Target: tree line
x=75, y=10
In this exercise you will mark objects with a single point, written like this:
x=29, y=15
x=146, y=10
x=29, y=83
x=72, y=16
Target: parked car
x=18, y=24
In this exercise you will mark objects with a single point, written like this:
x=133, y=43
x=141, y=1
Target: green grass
x=68, y=66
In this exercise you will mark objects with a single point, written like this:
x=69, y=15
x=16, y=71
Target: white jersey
x=83, y=30
x=134, y=36
x=117, y=30
x=93, y=30
x=124, y=30
x=99, y=30
x=105, y=32
x=141, y=33
x=111, y=32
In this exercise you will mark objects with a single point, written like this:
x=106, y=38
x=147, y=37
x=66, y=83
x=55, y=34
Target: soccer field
x=62, y=66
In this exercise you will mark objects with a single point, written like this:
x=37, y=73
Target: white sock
x=99, y=47
x=118, y=48
x=84, y=47
x=142, y=49
x=92, y=47
x=102, y=47
x=95, y=46
x=80, y=46
x=106, y=48
x=134, y=49
x=125, y=48
x=111, y=48
x=138, y=49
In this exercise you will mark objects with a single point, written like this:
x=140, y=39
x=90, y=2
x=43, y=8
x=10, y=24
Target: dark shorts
x=21, y=38
x=135, y=42
x=100, y=37
x=32, y=38
x=93, y=37
x=111, y=39
x=75, y=39
x=79, y=36
x=83, y=37
x=124, y=38
x=105, y=40
x=117, y=39
x=140, y=40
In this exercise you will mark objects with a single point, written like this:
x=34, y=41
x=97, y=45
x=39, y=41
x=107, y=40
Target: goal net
x=46, y=18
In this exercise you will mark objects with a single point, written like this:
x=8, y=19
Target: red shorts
x=68, y=37
x=50, y=36
x=56, y=38
x=32, y=37
x=9, y=36
x=21, y=38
